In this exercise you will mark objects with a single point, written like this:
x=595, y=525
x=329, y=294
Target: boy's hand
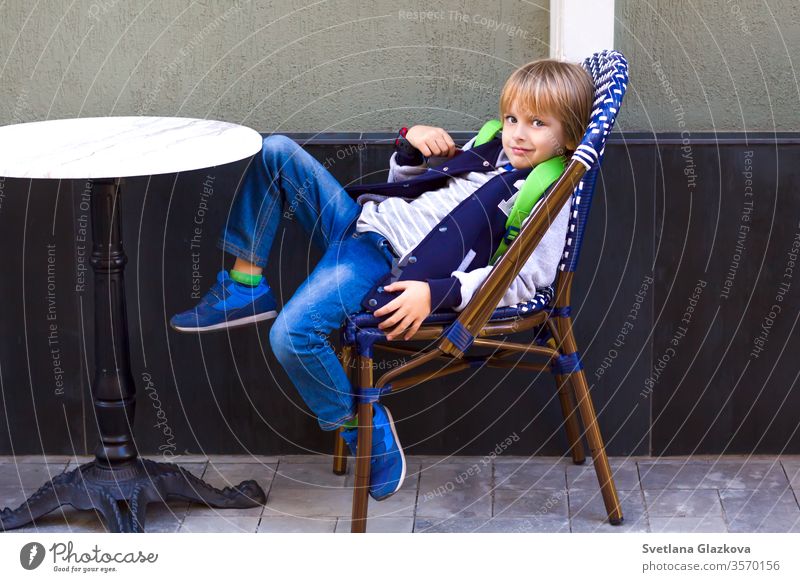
x=410, y=308
x=431, y=141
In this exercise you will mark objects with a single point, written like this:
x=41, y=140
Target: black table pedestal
x=117, y=474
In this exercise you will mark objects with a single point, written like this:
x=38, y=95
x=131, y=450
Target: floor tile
x=38, y=459
x=165, y=517
x=756, y=511
x=223, y=475
x=184, y=459
x=520, y=476
x=530, y=459
x=710, y=524
x=712, y=474
x=239, y=459
x=67, y=520
x=12, y=497
x=747, y=474
x=197, y=510
x=309, y=459
x=448, y=490
x=79, y=460
x=204, y=524
x=542, y=504
x=310, y=475
x=28, y=476
x=196, y=469
x=303, y=502
x=683, y=502
x=437, y=460
x=658, y=474
x=588, y=513
x=583, y=477
x=380, y=525
x=489, y=525
x=792, y=469
x=459, y=494
x=287, y=524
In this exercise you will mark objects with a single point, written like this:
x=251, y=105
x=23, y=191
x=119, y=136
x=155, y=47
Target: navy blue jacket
x=475, y=225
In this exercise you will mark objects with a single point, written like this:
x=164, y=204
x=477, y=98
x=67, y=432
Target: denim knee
x=295, y=348
x=281, y=341
x=278, y=144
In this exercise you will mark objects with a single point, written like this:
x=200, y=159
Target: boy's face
x=529, y=139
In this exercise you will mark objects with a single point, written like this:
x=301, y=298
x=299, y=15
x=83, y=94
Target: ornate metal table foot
x=93, y=486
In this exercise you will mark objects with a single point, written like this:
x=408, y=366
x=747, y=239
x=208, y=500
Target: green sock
x=245, y=278
x=353, y=422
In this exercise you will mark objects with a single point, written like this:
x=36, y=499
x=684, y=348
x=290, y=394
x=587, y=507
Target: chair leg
x=339, y=446
x=339, y=454
x=597, y=448
x=570, y=420
x=363, y=450
x=564, y=386
x=589, y=418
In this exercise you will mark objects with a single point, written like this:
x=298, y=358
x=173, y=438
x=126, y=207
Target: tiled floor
x=463, y=494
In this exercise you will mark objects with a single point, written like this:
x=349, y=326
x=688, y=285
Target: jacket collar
x=478, y=159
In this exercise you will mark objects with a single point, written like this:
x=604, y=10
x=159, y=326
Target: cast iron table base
x=118, y=483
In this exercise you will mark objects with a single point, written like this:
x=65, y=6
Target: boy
x=544, y=107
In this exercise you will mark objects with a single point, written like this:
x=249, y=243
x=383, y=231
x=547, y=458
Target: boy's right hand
x=431, y=141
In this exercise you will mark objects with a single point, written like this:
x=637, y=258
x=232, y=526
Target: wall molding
x=617, y=137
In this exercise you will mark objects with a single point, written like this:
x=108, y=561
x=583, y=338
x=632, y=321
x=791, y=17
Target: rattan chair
x=450, y=334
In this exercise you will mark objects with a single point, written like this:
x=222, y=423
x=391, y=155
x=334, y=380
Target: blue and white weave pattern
x=609, y=69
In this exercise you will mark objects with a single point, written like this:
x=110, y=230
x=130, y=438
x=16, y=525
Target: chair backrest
x=609, y=69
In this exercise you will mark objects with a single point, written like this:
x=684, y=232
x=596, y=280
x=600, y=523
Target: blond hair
x=551, y=87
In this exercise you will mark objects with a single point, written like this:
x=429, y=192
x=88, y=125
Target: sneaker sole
x=402, y=457
x=228, y=324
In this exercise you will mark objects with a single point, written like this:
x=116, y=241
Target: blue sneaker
x=388, y=464
x=228, y=304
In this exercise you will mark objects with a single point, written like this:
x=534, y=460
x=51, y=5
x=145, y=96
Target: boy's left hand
x=410, y=308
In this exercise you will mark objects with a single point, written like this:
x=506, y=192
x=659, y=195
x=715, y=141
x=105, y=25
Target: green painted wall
x=296, y=65
x=714, y=65
x=344, y=65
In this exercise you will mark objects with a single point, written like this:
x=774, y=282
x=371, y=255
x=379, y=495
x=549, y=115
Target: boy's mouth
x=519, y=151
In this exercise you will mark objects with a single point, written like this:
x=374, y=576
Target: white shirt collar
x=502, y=160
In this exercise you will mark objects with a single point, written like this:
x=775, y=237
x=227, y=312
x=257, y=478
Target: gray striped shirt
x=405, y=223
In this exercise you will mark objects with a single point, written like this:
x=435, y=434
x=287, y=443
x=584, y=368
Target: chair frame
x=473, y=328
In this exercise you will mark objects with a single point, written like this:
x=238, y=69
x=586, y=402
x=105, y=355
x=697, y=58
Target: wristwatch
x=407, y=154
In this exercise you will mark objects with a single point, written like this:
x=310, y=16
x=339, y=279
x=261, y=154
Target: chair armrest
x=477, y=312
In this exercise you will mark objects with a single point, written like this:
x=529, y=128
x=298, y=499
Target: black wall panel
x=665, y=221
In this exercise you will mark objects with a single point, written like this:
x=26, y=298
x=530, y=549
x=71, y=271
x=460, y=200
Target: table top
x=118, y=147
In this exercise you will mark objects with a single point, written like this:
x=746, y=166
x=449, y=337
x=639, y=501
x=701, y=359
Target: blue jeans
x=284, y=175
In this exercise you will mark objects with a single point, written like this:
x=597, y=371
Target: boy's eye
x=536, y=122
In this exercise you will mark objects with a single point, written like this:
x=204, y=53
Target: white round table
x=120, y=147
x=105, y=150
